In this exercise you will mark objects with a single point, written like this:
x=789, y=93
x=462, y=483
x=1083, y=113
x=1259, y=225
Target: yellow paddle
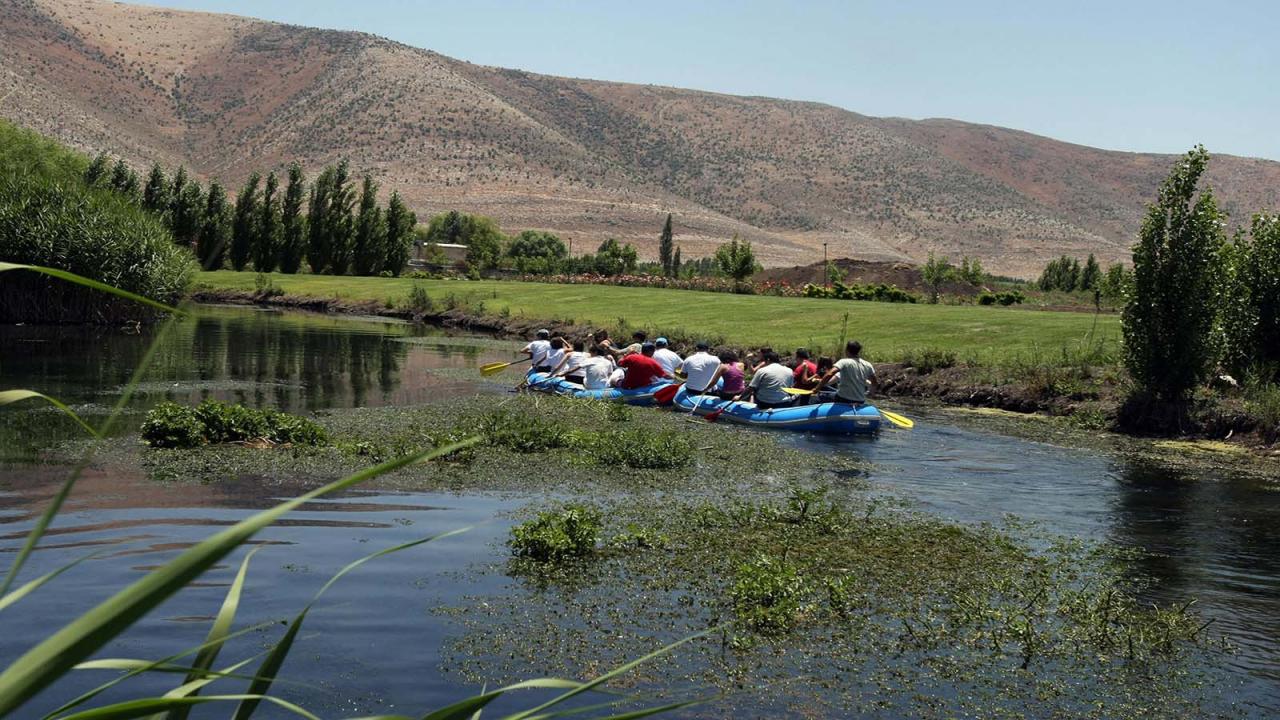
x=494, y=368
x=899, y=420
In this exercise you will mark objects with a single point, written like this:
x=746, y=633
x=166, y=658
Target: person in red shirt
x=641, y=369
x=805, y=371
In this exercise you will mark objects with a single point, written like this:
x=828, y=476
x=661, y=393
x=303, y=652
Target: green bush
x=1012, y=297
x=170, y=425
x=876, y=293
x=639, y=448
x=767, y=595
x=522, y=432
x=569, y=532
x=175, y=426
x=929, y=359
x=50, y=217
x=419, y=300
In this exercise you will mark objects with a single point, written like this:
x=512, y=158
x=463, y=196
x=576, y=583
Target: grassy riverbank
x=889, y=331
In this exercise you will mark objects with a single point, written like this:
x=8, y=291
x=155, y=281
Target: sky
x=1122, y=75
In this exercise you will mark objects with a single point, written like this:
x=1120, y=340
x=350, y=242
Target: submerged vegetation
x=169, y=425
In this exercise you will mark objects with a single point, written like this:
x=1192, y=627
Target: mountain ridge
x=589, y=159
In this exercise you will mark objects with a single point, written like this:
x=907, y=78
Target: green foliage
x=1006, y=298
x=675, y=263
x=876, y=293
x=935, y=272
x=1251, y=307
x=480, y=234
x=767, y=595
x=156, y=195
x=329, y=221
x=927, y=360
x=737, y=260
x=971, y=271
x=215, y=229
x=95, y=173
x=125, y=181
x=1091, y=275
x=419, y=300
x=244, y=228
x=169, y=425
x=614, y=258
x=557, y=535
x=522, y=432
x=1116, y=283
x=293, y=224
x=639, y=448
x=1061, y=274
x=399, y=235
x=186, y=209
x=369, y=249
x=1169, y=321
x=666, y=249
x=50, y=217
x=268, y=236
x=537, y=252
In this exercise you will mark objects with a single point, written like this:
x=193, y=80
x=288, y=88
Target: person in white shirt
x=669, y=359
x=537, y=350
x=571, y=366
x=555, y=356
x=768, y=382
x=700, y=369
x=596, y=369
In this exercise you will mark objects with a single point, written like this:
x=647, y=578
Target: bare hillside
x=590, y=160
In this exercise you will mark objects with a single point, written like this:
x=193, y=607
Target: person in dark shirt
x=641, y=369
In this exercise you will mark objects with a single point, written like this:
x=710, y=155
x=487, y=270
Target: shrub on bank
x=169, y=425
x=875, y=293
x=50, y=217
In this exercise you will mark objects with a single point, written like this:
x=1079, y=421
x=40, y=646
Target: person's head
x=853, y=348
x=802, y=354
x=647, y=349
x=728, y=356
x=601, y=335
x=578, y=345
x=556, y=334
x=639, y=336
x=543, y=334
x=701, y=346
x=825, y=363
x=558, y=343
x=595, y=350
x=770, y=357
x=660, y=342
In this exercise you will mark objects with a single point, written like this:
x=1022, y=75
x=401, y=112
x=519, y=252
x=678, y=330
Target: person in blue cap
x=669, y=359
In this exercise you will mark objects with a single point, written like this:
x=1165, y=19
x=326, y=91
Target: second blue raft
x=826, y=418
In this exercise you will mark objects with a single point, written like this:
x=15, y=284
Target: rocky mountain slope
x=587, y=159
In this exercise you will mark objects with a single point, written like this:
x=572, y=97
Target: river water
x=1211, y=536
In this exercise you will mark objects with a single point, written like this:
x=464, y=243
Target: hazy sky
x=1124, y=75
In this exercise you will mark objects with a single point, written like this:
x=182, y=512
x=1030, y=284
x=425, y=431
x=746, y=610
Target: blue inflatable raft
x=560, y=386
x=827, y=418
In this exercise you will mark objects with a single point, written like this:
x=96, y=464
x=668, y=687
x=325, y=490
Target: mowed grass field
x=988, y=335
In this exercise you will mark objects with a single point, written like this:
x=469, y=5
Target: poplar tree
x=124, y=180
x=97, y=169
x=666, y=247
x=155, y=196
x=340, y=223
x=370, y=234
x=267, y=239
x=1169, y=343
x=293, y=235
x=319, y=247
x=399, y=235
x=185, y=212
x=244, y=228
x=1091, y=275
x=215, y=229
x=675, y=263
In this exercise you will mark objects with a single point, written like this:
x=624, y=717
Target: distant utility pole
x=826, y=276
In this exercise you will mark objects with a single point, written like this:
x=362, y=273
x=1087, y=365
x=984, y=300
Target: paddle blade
x=715, y=415
x=668, y=393
x=797, y=391
x=494, y=368
x=899, y=420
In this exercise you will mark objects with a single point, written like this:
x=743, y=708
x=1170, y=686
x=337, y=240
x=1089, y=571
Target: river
x=1212, y=536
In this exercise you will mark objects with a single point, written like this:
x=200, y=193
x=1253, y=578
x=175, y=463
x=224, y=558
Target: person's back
x=669, y=359
x=856, y=376
x=700, y=369
x=596, y=370
x=768, y=383
x=734, y=375
x=641, y=369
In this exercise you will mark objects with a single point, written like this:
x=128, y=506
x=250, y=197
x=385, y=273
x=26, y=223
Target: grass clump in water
x=560, y=534
x=641, y=448
x=767, y=594
x=169, y=425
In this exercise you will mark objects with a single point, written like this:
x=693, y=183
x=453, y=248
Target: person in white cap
x=669, y=359
x=538, y=349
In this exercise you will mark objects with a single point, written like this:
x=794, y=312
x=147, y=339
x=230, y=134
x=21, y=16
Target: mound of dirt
x=864, y=272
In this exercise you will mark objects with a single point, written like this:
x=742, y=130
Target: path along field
x=985, y=335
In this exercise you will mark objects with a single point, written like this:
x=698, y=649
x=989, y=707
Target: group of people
x=597, y=363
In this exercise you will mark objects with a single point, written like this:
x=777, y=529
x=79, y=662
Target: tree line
x=1067, y=274
x=331, y=224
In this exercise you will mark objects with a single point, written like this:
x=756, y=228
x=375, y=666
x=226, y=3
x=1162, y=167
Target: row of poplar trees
x=332, y=225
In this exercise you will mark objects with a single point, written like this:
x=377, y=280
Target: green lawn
x=985, y=334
